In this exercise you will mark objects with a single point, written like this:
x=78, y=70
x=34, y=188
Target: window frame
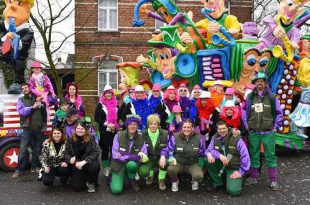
x=107, y=72
x=108, y=29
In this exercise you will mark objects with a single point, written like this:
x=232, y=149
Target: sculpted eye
x=162, y=56
x=264, y=61
x=166, y=55
x=251, y=60
x=20, y=3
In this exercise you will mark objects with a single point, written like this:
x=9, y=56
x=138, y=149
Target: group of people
x=212, y=133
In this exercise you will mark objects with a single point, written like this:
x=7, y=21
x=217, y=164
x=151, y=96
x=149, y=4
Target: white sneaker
x=106, y=171
x=195, y=185
x=91, y=187
x=175, y=186
x=137, y=177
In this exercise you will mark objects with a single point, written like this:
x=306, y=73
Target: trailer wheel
x=9, y=156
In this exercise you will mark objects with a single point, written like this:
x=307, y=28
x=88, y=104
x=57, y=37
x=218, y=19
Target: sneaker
x=106, y=171
x=137, y=177
x=134, y=186
x=195, y=185
x=16, y=175
x=35, y=170
x=91, y=187
x=250, y=181
x=149, y=180
x=162, y=185
x=175, y=186
x=274, y=186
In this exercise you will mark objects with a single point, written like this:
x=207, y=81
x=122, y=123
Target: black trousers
x=106, y=141
x=63, y=172
x=89, y=173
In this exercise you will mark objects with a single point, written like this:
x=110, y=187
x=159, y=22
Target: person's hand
x=47, y=170
x=186, y=38
x=224, y=160
x=45, y=142
x=279, y=32
x=235, y=175
x=80, y=164
x=233, y=31
x=173, y=162
x=294, y=45
x=162, y=161
x=214, y=27
x=36, y=105
x=10, y=35
x=274, y=130
x=236, y=132
x=72, y=160
x=210, y=158
x=64, y=164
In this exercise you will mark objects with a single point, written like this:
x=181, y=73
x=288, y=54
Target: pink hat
x=229, y=91
x=177, y=108
x=196, y=87
x=182, y=85
x=36, y=64
x=156, y=86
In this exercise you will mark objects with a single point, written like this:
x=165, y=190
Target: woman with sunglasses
x=184, y=100
x=155, y=97
x=106, y=115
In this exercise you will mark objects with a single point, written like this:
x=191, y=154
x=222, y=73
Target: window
x=107, y=75
x=108, y=15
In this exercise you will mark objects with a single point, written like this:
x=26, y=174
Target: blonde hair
x=153, y=118
x=304, y=72
x=30, y=2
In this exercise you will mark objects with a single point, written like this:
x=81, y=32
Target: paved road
x=294, y=189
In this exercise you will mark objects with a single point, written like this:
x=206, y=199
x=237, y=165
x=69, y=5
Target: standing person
x=182, y=153
x=164, y=109
x=196, y=92
x=262, y=115
x=231, y=114
x=128, y=153
x=155, y=139
x=74, y=99
x=106, y=117
x=227, y=154
x=41, y=87
x=229, y=95
x=139, y=105
x=155, y=98
x=31, y=121
x=184, y=100
x=82, y=154
x=53, y=158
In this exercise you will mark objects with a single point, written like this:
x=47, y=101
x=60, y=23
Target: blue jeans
x=32, y=138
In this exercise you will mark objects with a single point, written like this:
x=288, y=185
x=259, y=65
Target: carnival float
x=211, y=52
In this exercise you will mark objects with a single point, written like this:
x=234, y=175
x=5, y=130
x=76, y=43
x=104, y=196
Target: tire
x=9, y=156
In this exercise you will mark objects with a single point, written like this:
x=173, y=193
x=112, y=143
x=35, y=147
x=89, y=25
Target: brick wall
x=127, y=42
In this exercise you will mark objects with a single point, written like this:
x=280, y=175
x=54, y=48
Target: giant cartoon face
x=254, y=60
x=217, y=7
x=289, y=9
x=19, y=10
x=165, y=62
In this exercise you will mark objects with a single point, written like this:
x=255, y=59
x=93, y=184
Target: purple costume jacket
x=279, y=116
x=22, y=110
x=269, y=40
x=245, y=161
x=123, y=158
x=171, y=147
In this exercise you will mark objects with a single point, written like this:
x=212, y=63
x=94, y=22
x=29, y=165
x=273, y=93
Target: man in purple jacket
x=31, y=120
x=227, y=153
x=262, y=115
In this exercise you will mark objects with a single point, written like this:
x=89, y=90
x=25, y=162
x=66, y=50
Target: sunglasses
x=181, y=90
x=155, y=91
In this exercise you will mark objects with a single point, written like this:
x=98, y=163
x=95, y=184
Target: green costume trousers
x=268, y=141
x=117, y=181
x=233, y=186
x=147, y=170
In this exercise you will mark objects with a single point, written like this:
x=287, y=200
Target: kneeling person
x=183, y=152
x=155, y=139
x=128, y=152
x=227, y=154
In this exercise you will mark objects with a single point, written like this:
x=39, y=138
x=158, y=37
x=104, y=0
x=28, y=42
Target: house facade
x=105, y=37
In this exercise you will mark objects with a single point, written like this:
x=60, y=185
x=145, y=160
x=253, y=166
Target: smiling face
x=183, y=92
x=57, y=135
x=72, y=90
x=80, y=130
x=222, y=130
x=132, y=128
x=156, y=93
x=17, y=9
x=217, y=7
x=153, y=126
x=165, y=62
x=289, y=10
x=229, y=112
x=187, y=129
x=254, y=61
x=108, y=95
